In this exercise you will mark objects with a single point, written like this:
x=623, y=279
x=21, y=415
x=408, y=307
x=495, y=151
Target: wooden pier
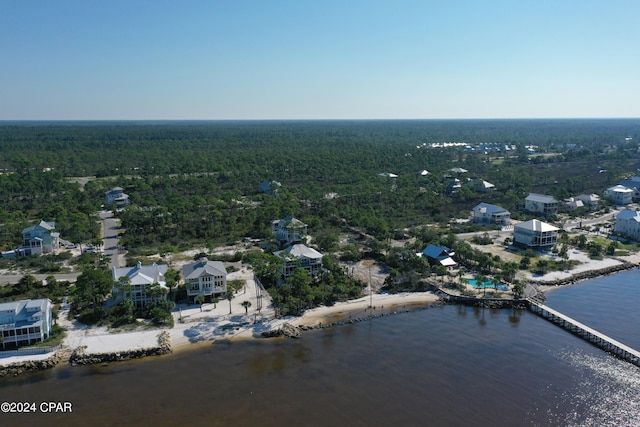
x=596, y=338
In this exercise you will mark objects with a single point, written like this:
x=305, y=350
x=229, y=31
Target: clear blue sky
x=318, y=59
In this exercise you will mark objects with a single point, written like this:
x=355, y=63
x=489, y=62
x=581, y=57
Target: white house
x=40, y=238
x=289, y=230
x=620, y=194
x=535, y=234
x=439, y=255
x=204, y=277
x=539, y=203
x=572, y=203
x=25, y=322
x=492, y=214
x=634, y=184
x=302, y=256
x=628, y=224
x=140, y=278
x=116, y=196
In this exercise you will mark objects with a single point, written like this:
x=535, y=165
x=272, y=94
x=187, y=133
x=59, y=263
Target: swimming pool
x=487, y=284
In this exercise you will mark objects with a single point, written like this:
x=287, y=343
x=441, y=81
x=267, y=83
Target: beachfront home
x=628, y=224
x=142, y=284
x=539, y=203
x=300, y=256
x=25, y=322
x=486, y=213
x=289, y=230
x=439, y=255
x=117, y=197
x=40, y=239
x=620, y=195
x=206, y=278
x=535, y=234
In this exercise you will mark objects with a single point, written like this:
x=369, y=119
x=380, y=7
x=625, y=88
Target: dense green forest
x=198, y=182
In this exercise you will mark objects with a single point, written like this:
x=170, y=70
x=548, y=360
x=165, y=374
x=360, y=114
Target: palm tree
x=229, y=296
x=246, y=305
x=200, y=300
x=215, y=301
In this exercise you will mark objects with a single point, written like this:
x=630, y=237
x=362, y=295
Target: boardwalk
x=596, y=338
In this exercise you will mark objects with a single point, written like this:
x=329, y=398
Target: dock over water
x=596, y=338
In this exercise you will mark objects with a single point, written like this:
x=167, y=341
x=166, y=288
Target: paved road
x=110, y=238
x=15, y=278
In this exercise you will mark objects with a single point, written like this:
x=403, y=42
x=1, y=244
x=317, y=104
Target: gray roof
x=541, y=198
x=298, y=250
x=489, y=208
x=629, y=214
x=42, y=224
x=536, y=225
x=142, y=274
x=203, y=267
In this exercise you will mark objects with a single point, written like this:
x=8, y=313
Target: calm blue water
x=444, y=366
x=487, y=285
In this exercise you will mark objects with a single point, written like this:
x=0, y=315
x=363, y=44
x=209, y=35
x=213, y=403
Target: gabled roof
x=203, y=267
x=142, y=274
x=297, y=251
x=536, y=225
x=619, y=189
x=433, y=251
x=629, y=214
x=48, y=226
x=489, y=208
x=540, y=198
x=458, y=170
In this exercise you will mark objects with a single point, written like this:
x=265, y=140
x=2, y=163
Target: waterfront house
x=40, y=239
x=116, y=196
x=628, y=224
x=139, y=281
x=486, y=213
x=25, y=322
x=439, y=255
x=206, y=278
x=289, y=230
x=535, y=234
x=540, y=203
x=300, y=256
x=619, y=194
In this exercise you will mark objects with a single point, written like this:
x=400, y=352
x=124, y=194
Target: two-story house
x=539, y=203
x=136, y=283
x=289, y=230
x=535, y=234
x=300, y=256
x=25, y=322
x=634, y=184
x=204, y=277
x=628, y=224
x=485, y=213
x=116, y=196
x=40, y=239
x=620, y=194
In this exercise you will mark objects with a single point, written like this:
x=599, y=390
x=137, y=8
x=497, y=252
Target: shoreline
x=207, y=326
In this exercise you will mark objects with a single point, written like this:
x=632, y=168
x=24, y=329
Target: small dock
x=596, y=338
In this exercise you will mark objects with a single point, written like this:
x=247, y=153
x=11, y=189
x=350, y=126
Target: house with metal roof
x=40, y=239
x=116, y=196
x=205, y=277
x=628, y=224
x=289, y=230
x=139, y=281
x=300, y=256
x=620, y=195
x=540, y=203
x=485, y=213
x=25, y=322
x=535, y=234
x=439, y=255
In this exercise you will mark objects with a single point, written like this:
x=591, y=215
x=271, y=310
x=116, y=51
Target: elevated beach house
x=206, y=278
x=300, y=256
x=620, y=195
x=25, y=322
x=40, y=239
x=116, y=196
x=139, y=283
x=539, y=203
x=628, y=224
x=535, y=234
x=288, y=230
x=485, y=213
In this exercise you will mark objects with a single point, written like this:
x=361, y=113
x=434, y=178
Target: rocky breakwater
x=81, y=357
x=18, y=368
x=588, y=275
